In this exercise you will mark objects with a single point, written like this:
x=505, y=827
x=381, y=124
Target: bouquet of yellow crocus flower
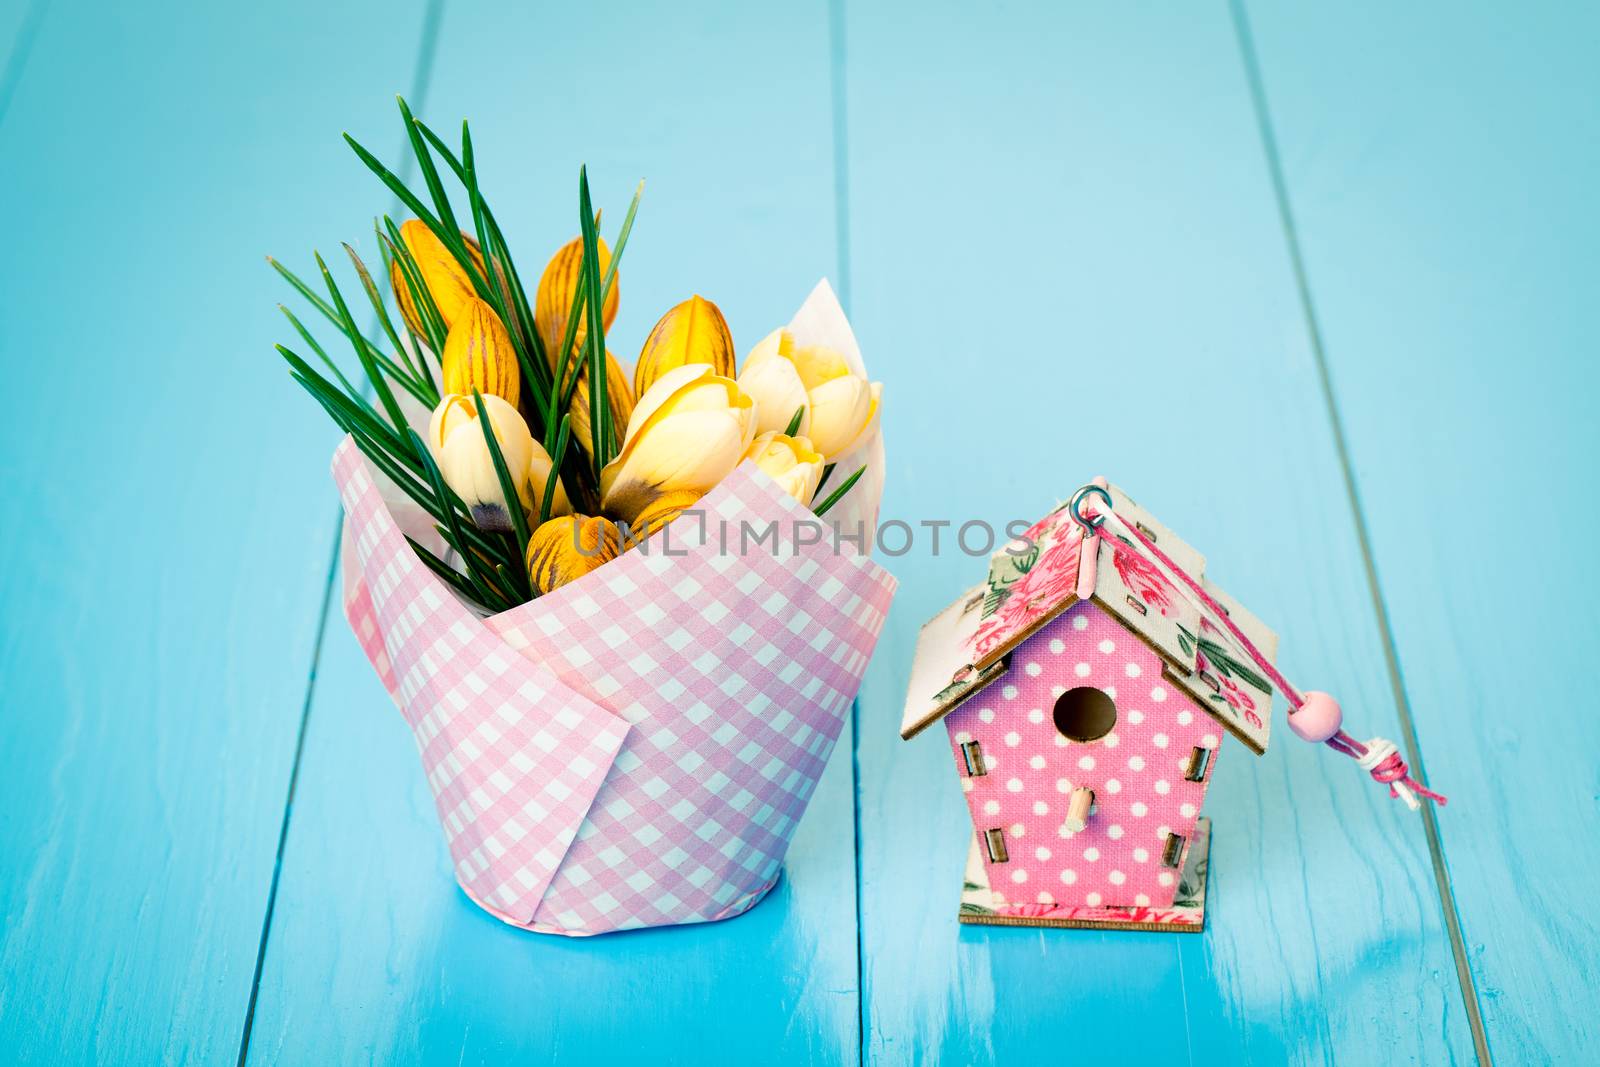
x=542, y=457
x=616, y=736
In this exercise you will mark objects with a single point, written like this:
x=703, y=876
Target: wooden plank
x=19, y=28
x=1072, y=228
x=376, y=954
x=726, y=112
x=167, y=519
x=1441, y=167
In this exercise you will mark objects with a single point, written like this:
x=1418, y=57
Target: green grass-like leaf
x=475, y=200
x=390, y=452
x=498, y=283
x=560, y=453
x=386, y=451
x=536, y=363
x=390, y=265
x=838, y=494
x=517, y=580
x=363, y=350
x=305, y=335
x=519, y=521
x=490, y=597
x=595, y=339
x=579, y=296
x=352, y=405
x=395, y=185
x=405, y=377
x=621, y=242
x=417, y=289
x=493, y=562
x=794, y=423
x=375, y=298
x=430, y=174
x=529, y=355
x=523, y=319
x=448, y=236
x=312, y=298
x=445, y=571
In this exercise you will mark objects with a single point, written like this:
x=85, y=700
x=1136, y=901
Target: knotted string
x=1379, y=756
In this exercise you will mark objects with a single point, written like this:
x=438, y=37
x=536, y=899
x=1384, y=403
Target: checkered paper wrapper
x=636, y=748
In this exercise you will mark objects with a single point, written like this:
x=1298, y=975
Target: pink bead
x=1318, y=719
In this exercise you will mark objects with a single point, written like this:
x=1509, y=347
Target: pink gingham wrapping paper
x=637, y=748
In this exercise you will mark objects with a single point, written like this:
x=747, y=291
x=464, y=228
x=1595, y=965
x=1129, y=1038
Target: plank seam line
x=1391, y=655
x=841, y=147
x=427, y=46
x=288, y=802
x=21, y=49
x=841, y=223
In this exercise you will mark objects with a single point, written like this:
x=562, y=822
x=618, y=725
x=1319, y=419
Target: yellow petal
x=453, y=409
x=817, y=365
x=619, y=396
x=687, y=432
x=657, y=514
x=776, y=388
x=692, y=332
x=466, y=464
x=553, y=302
x=779, y=342
x=840, y=410
x=790, y=461
x=447, y=281
x=478, y=355
x=694, y=451
x=663, y=390
x=402, y=297
x=567, y=548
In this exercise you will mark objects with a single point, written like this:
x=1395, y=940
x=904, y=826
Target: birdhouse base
x=1186, y=915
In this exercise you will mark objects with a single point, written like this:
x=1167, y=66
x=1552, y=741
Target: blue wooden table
x=1317, y=285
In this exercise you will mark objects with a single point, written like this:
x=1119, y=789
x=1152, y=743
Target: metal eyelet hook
x=1089, y=525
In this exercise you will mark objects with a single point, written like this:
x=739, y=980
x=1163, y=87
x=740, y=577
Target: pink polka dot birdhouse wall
x=1085, y=702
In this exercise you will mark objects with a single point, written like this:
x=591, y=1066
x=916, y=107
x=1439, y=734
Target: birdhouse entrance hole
x=1085, y=714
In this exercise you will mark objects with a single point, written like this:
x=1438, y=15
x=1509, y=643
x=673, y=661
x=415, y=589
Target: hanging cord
x=1319, y=715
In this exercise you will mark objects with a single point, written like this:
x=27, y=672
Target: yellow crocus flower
x=553, y=301
x=478, y=355
x=692, y=332
x=456, y=440
x=619, y=396
x=447, y=281
x=565, y=549
x=783, y=377
x=790, y=461
x=687, y=432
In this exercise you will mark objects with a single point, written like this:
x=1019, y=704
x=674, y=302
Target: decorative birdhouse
x=1086, y=697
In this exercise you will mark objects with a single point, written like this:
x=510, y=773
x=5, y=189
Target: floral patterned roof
x=1035, y=578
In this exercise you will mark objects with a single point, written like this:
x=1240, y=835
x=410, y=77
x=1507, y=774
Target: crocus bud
x=619, y=396
x=478, y=355
x=565, y=549
x=657, y=514
x=687, y=432
x=455, y=437
x=790, y=461
x=776, y=388
x=553, y=302
x=448, y=283
x=692, y=332
x=840, y=405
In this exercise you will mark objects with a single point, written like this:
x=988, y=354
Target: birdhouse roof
x=1032, y=580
